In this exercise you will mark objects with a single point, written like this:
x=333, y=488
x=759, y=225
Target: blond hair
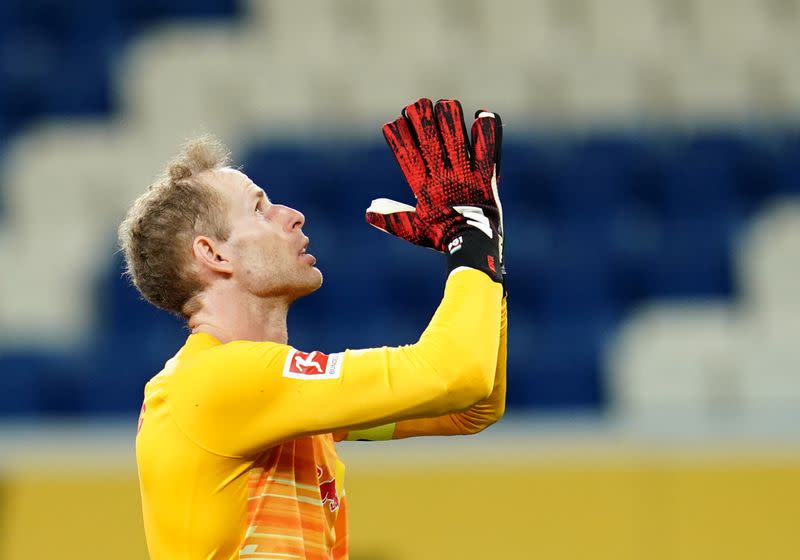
x=159, y=228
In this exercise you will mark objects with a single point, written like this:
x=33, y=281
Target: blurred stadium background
x=651, y=177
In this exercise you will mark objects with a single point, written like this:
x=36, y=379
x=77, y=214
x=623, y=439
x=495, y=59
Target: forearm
x=450, y=368
x=476, y=418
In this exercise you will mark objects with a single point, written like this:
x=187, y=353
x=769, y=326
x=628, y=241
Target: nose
x=294, y=218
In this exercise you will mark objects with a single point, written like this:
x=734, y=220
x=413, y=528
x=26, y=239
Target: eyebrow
x=258, y=193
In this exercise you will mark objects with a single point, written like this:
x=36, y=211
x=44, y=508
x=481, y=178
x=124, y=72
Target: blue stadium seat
x=693, y=259
x=367, y=172
x=634, y=238
x=74, y=44
x=556, y=365
x=118, y=365
x=28, y=58
x=20, y=376
x=144, y=11
x=526, y=173
x=6, y=131
x=8, y=18
x=299, y=176
x=83, y=75
x=529, y=247
x=62, y=384
x=122, y=309
x=788, y=165
x=599, y=176
x=708, y=176
x=35, y=382
x=564, y=269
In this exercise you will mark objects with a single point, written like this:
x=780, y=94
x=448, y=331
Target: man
x=235, y=446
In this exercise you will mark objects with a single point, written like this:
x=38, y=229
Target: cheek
x=257, y=255
x=262, y=252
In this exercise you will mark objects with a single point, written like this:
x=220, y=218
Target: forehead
x=232, y=183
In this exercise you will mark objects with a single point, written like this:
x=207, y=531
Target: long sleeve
x=473, y=420
x=242, y=397
x=476, y=418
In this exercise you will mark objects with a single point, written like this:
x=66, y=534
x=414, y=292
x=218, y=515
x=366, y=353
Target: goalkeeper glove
x=458, y=210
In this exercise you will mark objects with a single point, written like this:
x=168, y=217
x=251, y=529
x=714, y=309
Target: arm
x=244, y=387
x=242, y=397
x=478, y=417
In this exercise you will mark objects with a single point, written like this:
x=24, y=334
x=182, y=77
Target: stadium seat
x=673, y=359
x=598, y=176
x=768, y=261
x=36, y=381
x=530, y=249
x=693, y=259
x=578, y=278
x=789, y=165
x=299, y=176
x=62, y=384
x=27, y=60
x=768, y=367
x=20, y=374
x=633, y=236
x=115, y=385
x=705, y=177
x=557, y=366
x=368, y=172
x=84, y=88
x=526, y=173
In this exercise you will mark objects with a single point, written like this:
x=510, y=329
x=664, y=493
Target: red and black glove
x=458, y=210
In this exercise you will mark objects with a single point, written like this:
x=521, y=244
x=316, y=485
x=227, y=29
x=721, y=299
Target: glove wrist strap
x=472, y=248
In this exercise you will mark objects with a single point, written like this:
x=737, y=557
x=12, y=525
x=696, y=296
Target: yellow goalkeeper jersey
x=235, y=450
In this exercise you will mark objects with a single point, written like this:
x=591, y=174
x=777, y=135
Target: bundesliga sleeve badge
x=312, y=365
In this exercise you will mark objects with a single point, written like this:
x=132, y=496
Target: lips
x=307, y=256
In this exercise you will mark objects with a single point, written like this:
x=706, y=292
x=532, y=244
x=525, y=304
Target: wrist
x=474, y=249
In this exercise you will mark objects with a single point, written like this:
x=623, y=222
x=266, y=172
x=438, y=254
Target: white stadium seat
x=709, y=360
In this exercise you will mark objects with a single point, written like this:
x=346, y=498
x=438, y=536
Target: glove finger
x=423, y=124
x=487, y=135
x=455, y=142
x=397, y=219
x=401, y=141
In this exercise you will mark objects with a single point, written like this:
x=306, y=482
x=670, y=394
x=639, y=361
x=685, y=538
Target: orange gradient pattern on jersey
x=296, y=502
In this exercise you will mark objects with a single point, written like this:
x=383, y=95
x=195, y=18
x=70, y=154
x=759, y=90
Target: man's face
x=266, y=245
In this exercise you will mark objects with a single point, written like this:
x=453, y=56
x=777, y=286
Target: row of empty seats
x=723, y=360
x=58, y=58
x=574, y=276
x=565, y=63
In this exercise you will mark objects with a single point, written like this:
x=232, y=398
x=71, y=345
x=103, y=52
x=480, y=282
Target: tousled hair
x=157, y=233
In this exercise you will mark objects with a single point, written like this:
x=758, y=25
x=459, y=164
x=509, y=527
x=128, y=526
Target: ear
x=207, y=254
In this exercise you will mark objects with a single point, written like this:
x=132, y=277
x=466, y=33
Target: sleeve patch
x=313, y=365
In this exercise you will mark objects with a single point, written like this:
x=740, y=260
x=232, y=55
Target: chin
x=309, y=284
x=317, y=280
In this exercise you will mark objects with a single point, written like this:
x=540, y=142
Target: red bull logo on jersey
x=312, y=365
x=327, y=490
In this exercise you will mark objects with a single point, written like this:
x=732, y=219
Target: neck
x=227, y=316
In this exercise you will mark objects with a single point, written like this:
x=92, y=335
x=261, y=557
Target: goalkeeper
x=235, y=447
